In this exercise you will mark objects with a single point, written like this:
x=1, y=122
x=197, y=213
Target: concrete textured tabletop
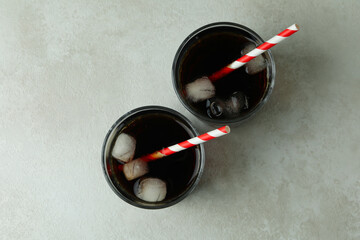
x=70, y=69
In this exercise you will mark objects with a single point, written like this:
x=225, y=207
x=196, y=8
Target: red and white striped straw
x=254, y=53
x=138, y=167
x=187, y=144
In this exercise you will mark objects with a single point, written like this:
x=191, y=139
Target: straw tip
x=227, y=129
x=294, y=27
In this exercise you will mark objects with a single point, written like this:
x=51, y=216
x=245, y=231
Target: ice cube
x=214, y=107
x=257, y=64
x=124, y=148
x=150, y=189
x=235, y=104
x=201, y=89
x=135, y=169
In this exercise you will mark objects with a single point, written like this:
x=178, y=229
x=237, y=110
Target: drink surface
x=211, y=51
x=154, y=131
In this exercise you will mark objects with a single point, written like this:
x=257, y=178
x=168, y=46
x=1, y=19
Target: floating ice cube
x=201, y=89
x=150, y=189
x=135, y=169
x=214, y=107
x=124, y=148
x=235, y=104
x=257, y=64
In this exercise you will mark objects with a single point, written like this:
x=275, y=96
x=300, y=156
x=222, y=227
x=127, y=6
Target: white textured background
x=69, y=69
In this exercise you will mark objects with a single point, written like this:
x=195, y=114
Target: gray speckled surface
x=69, y=70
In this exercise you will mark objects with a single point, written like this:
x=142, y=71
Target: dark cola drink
x=154, y=130
x=237, y=94
x=211, y=53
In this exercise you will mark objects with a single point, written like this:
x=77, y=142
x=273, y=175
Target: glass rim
x=266, y=94
x=193, y=133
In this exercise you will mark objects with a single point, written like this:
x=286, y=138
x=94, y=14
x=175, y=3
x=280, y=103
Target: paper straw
x=187, y=144
x=138, y=167
x=254, y=53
